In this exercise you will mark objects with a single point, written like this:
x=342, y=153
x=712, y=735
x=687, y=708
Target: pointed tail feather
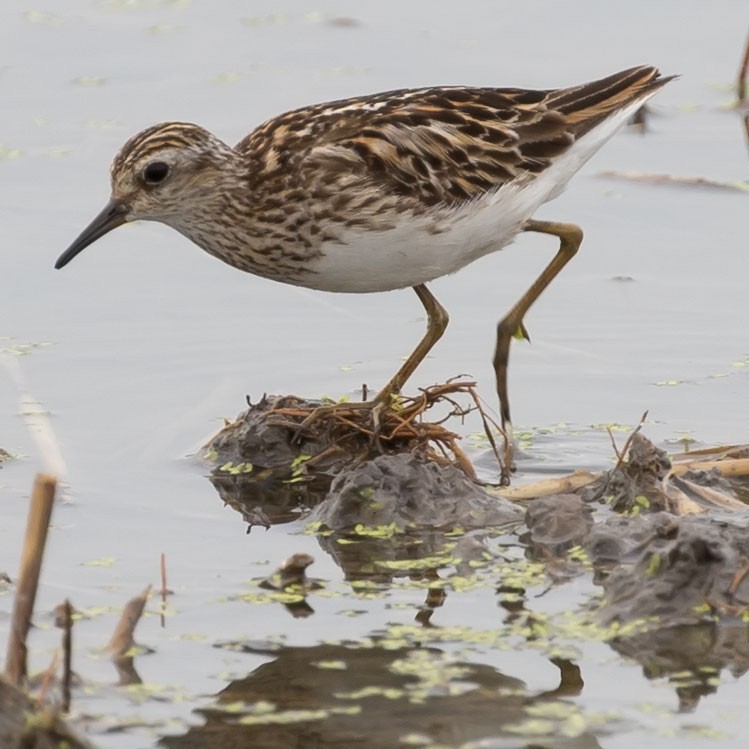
x=586, y=105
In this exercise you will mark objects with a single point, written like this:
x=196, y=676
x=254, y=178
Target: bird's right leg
x=511, y=325
x=437, y=320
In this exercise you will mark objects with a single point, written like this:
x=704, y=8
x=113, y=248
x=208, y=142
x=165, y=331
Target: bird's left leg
x=437, y=319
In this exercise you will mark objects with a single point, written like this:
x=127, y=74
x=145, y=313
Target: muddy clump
x=683, y=571
x=283, y=453
x=667, y=545
x=409, y=492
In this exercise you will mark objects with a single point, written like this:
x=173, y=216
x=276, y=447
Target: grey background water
x=154, y=341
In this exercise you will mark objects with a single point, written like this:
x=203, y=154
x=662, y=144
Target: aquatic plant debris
x=676, y=181
x=400, y=427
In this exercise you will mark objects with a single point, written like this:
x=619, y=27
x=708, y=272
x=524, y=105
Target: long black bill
x=113, y=215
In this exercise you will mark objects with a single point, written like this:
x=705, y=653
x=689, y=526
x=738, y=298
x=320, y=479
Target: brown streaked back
x=440, y=145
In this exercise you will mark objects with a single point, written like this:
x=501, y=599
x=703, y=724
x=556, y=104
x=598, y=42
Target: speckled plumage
x=377, y=192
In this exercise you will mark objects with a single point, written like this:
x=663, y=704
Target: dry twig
x=670, y=179
x=67, y=651
x=122, y=639
x=572, y=482
x=628, y=443
x=400, y=428
x=741, y=85
x=164, y=591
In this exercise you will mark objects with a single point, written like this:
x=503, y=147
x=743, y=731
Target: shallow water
x=153, y=343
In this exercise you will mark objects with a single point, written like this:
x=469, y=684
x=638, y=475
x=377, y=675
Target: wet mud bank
x=666, y=542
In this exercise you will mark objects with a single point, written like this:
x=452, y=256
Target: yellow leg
x=437, y=319
x=570, y=237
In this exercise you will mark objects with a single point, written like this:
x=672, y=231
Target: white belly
x=423, y=248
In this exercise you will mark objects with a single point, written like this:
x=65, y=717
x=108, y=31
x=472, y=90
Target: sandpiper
x=378, y=192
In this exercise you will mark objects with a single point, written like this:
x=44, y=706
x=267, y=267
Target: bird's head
x=172, y=172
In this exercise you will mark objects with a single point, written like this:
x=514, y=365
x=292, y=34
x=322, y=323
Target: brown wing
x=438, y=145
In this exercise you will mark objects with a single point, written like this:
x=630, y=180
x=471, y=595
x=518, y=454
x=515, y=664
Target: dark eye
x=155, y=172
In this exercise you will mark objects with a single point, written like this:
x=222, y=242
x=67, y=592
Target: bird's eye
x=155, y=172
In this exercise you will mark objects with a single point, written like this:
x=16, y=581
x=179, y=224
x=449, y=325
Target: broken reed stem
x=546, y=487
x=729, y=467
x=163, y=589
x=162, y=564
x=40, y=511
x=49, y=675
x=123, y=637
x=741, y=85
x=67, y=654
